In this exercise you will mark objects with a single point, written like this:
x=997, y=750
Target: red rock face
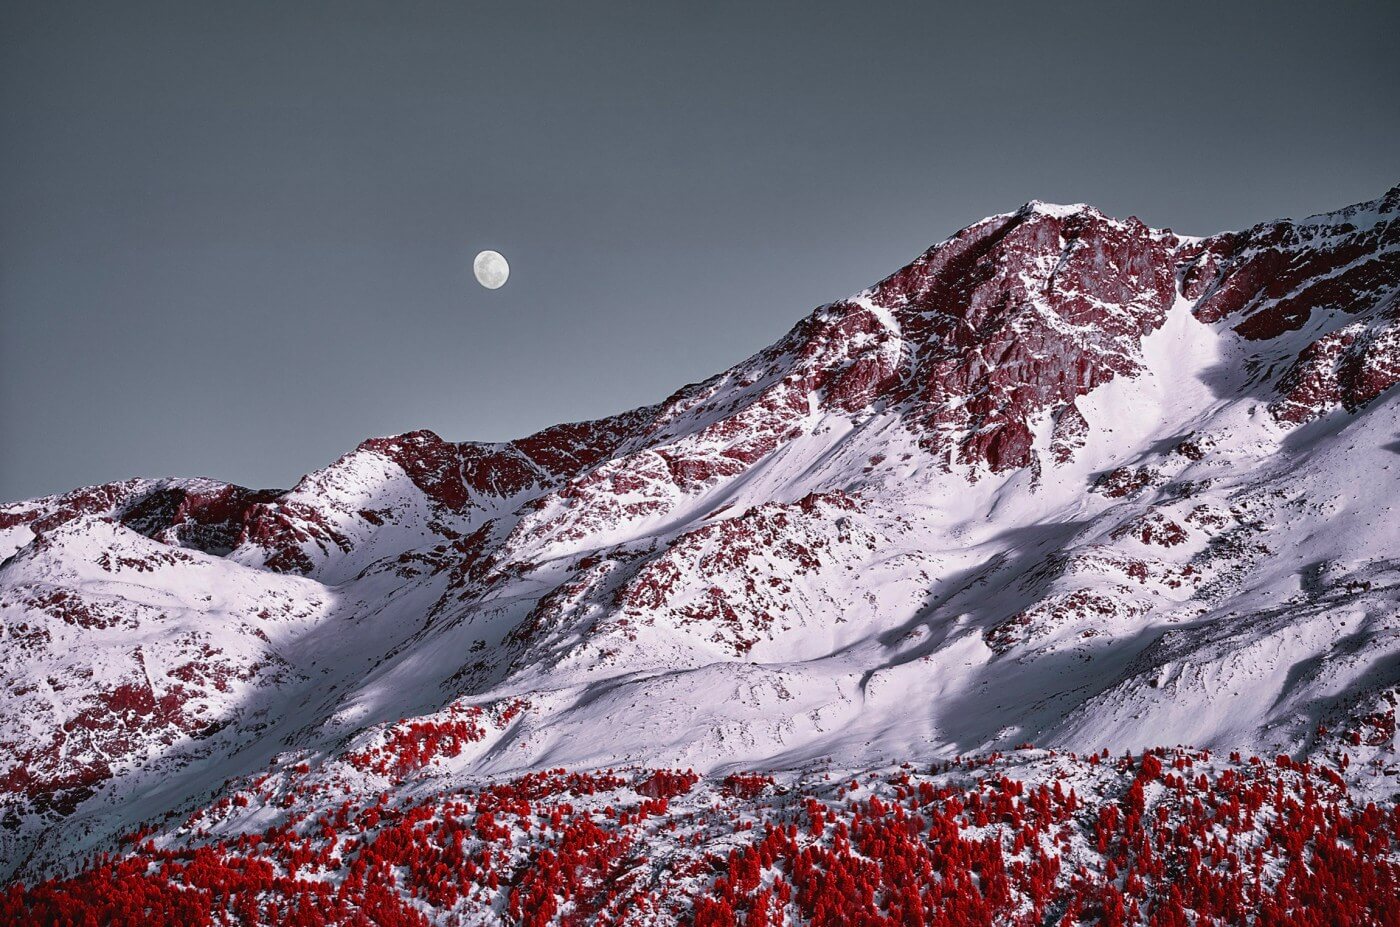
x=212, y=520
x=749, y=567
x=1071, y=429
x=1342, y=271
x=568, y=450
x=1349, y=367
x=973, y=342
x=43, y=515
x=200, y=514
x=434, y=465
x=110, y=727
x=285, y=528
x=1125, y=482
x=1078, y=608
x=1155, y=528
x=453, y=475
x=1017, y=317
x=1273, y=277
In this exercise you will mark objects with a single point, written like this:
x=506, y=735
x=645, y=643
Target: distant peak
x=1055, y=210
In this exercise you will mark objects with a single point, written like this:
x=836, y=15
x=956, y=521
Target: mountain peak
x=1055, y=210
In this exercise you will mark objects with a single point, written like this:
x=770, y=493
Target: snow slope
x=1062, y=479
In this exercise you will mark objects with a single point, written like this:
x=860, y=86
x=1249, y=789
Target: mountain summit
x=1062, y=480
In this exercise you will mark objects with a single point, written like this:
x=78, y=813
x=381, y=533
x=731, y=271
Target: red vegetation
x=666, y=783
x=411, y=745
x=747, y=786
x=1170, y=839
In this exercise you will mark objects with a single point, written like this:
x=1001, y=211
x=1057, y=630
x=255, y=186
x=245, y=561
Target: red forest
x=1167, y=839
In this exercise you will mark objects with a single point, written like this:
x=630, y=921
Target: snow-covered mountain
x=1063, y=480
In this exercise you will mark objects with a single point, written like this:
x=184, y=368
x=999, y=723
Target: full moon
x=491, y=270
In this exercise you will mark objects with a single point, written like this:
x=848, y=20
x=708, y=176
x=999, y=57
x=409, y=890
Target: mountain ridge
x=1062, y=478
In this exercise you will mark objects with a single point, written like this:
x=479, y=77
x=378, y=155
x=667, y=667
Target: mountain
x=1063, y=480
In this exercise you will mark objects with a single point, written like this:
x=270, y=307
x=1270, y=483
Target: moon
x=491, y=270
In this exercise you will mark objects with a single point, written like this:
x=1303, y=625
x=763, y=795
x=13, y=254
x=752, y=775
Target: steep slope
x=1062, y=479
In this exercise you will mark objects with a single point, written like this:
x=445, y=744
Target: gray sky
x=236, y=238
